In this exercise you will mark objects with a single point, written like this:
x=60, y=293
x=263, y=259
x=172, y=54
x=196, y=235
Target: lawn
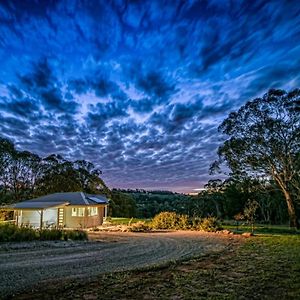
x=125, y=221
x=266, y=266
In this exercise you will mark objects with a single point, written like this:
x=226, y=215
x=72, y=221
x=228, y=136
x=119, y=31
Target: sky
x=139, y=88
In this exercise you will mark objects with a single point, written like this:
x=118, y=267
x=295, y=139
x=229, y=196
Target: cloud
x=139, y=88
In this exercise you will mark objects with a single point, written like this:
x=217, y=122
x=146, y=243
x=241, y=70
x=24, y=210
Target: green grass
x=262, y=229
x=125, y=221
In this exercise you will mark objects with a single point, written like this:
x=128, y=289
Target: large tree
x=263, y=141
x=24, y=175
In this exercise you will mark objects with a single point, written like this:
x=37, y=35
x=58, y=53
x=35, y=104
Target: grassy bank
x=262, y=267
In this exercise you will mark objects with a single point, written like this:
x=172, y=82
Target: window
x=78, y=212
x=74, y=212
x=92, y=211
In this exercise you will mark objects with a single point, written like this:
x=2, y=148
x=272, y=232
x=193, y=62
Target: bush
x=50, y=234
x=170, y=220
x=139, y=227
x=75, y=235
x=13, y=233
x=210, y=224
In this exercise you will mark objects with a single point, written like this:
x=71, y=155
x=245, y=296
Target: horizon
x=139, y=89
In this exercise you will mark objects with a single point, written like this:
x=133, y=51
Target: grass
x=125, y=221
x=262, y=267
x=261, y=229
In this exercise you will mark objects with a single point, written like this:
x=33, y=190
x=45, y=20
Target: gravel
x=24, y=265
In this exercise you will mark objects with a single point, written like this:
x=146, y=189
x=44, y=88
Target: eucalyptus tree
x=263, y=141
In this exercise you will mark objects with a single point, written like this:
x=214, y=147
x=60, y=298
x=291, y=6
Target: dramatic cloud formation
x=139, y=87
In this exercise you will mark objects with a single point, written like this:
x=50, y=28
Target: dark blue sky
x=139, y=87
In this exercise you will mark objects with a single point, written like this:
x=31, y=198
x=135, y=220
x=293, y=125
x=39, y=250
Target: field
x=169, y=265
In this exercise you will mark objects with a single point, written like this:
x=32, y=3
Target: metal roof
x=58, y=199
x=36, y=205
x=77, y=198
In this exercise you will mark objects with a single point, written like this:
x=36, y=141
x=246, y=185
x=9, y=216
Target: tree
x=24, y=175
x=264, y=142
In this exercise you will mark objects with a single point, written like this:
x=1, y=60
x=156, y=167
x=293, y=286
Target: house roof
x=59, y=199
x=36, y=205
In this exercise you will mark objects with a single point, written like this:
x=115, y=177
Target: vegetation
x=24, y=175
x=122, y=205
x=210, y=224
x=170, y=220
x=140, y=227
x=263, y=144
x=13, y=233
x=222, y=199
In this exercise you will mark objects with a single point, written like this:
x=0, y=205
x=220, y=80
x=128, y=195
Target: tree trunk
x=291, y=210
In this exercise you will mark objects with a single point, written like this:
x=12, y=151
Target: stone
x=247, y=234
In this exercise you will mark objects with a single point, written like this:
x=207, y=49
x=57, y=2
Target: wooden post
x=41, y=219
x=17, y=217
x=105, y=212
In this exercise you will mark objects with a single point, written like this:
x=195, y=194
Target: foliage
x=139, y=227
x=50, y=235
x=263, y=142
x=222, y=199
x=210, y=224
x=75, y=235
x=24, y=175
x=250, y=211
x=170, y=220
x=13, y=233
x=122, y=205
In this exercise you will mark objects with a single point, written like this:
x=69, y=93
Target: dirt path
x=26, y=265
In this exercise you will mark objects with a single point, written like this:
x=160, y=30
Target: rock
x=247, y=234
x=225, y=231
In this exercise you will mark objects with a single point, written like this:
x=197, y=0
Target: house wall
x=83, y=222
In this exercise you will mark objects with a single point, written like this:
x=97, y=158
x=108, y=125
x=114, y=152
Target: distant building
x=64, y=210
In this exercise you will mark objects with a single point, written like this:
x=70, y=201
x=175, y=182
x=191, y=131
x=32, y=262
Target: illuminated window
x=78, y=212
x=92, y=211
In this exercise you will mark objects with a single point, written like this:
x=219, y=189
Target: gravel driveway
x=24, y=265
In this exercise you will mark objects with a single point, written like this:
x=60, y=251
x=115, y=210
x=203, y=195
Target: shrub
x=50, y=234
x=75, y=235
x=210, y=224
x=12, y=233
x=170, y=220
x=139, y=227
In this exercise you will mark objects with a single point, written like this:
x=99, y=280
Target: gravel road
x=24, y=265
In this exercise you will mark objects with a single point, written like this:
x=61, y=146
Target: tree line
x=25, y=175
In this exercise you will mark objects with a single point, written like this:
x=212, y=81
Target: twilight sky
x=139, y=87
